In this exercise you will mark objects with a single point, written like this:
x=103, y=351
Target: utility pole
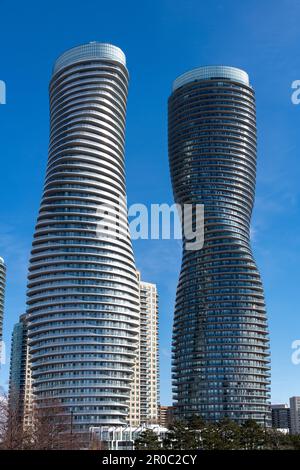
x=71, y=429
x=72, y=413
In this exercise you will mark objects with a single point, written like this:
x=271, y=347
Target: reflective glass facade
x=83, y=296
x=220, y=335
x=18, y=367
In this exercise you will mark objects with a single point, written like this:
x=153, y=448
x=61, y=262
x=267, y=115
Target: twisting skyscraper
x=220, y=333
x=83, y=296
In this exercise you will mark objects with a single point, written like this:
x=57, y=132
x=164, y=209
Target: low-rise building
x=121, y=437
x=281, y=418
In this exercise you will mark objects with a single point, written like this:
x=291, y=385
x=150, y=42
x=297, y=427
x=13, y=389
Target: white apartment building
x=120, y=437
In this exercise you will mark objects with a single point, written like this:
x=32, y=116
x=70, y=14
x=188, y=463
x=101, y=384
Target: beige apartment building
x=144, y=400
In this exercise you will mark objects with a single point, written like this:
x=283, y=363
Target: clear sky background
x=161, y=39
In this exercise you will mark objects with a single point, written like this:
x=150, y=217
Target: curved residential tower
x=220, y=334
x=83, y=297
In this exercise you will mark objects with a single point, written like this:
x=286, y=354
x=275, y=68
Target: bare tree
x=11, y=429
x=51, y=428
x=96, y=444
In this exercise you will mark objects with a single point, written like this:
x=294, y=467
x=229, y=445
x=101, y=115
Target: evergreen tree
x=252, y=436
x=181, y=437
x=147, y=440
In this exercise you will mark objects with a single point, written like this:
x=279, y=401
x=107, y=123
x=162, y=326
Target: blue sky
x=161, y=39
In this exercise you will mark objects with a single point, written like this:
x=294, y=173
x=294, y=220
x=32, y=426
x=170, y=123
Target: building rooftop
x=211, y=71
x=91, y=50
